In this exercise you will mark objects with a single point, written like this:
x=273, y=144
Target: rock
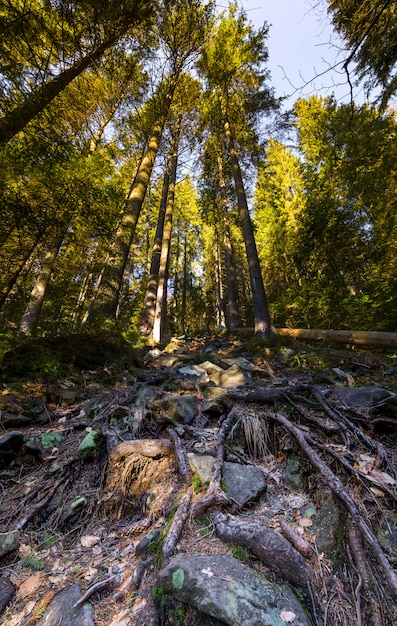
x=292, y=476
x=7, y=591
x=364, y=396
x=74, y=509
x=42, y=445
x=194, y=372
x=328, y=528
x=183, y=408
x=243, y=364
x=243, y=483
x=232, y=377
x=10, y=445
x=226, y=589
x=60, y=610
x=9, y=542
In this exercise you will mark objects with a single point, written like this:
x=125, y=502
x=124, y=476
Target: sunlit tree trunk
x=262, y=319
x=184, y=287
x=16, y=272
x=161, y=298
x=220, y=314
x=18, y=118
x=233, y=316
x=149, y=306
x=105, y=305
x=30, y=317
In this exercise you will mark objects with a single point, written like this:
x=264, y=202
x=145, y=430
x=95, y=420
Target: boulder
x=232, y=377
x=230, y=591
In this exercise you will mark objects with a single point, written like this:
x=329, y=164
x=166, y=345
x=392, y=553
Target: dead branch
x=271, y=548
x=177, y=524
x=215, y=494
x=298, y=542
x=341, y=492
x=103, y=584
x=180, y=454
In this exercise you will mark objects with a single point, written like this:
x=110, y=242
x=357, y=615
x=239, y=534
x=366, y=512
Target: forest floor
x=99, y=487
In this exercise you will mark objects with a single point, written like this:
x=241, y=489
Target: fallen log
x=377, y=339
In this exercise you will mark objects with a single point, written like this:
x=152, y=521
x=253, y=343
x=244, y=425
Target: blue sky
x=302, y=45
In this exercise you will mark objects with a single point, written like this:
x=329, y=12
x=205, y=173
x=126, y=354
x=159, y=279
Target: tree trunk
x=12, y=279
x=220, y=314
x=18, y=118
x=263, y=324
x=105, y=305
x=149, y=307
x=30, y=317
x=184, y=286
x=160, y=312
x=233, y=315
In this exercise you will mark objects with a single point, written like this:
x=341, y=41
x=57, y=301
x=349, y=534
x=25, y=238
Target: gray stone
x=242, y=483
x=243, y=364
x=183, y=408
x=9, y=542
x=232, y=377
x=328, y=528
x=226, y=589
x=365, y=396
x=7, y=591
x=60, y=610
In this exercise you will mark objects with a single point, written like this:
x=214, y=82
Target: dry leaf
x=305, y=522
x=31, y=584
x=287, y=616
x=377, y=492
x=87, y=541
x=381, y=477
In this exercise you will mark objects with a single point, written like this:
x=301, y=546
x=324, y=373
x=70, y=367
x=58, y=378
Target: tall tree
x=114, y=22
x=232, y=65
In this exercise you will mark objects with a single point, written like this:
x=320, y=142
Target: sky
x=302, y=45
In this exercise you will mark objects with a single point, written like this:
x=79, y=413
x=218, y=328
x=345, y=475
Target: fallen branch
x=103, y=584
x=341, y=492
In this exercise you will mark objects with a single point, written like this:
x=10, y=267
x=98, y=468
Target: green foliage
x=370, y=31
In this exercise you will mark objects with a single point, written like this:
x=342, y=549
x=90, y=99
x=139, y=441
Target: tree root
x=177, y=523
x=271, y=548
x=181, y=458
x=337, y=487
x=215, y=496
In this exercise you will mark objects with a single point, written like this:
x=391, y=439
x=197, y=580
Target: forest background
x=152, y=184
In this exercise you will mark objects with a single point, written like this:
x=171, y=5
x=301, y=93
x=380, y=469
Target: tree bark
x=12, y=279
x=18, y=118
x=149, y=307
x=31, y=314
x=105, y=305
x=263, y=323
x=160, y=312
x=220, y=314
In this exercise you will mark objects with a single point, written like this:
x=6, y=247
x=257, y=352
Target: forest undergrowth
x=98, y=489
